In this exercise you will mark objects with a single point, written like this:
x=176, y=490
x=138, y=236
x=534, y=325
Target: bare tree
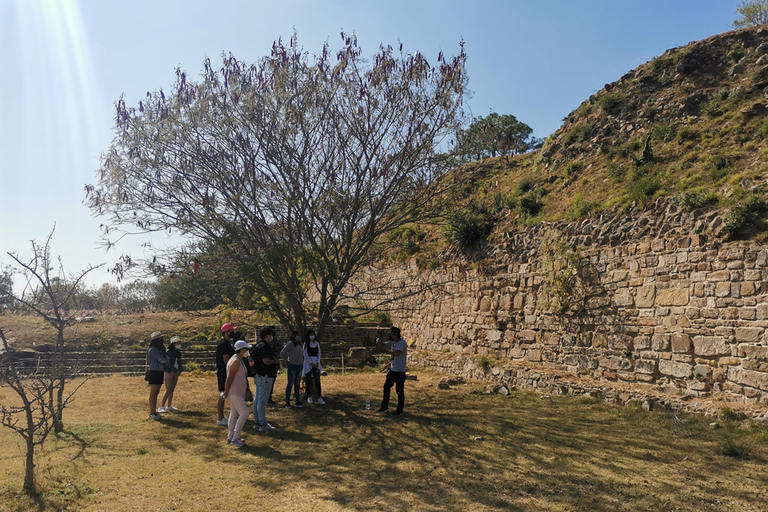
x=52, y=296
x=294, y=168
x=37, y=415
x=751, y=13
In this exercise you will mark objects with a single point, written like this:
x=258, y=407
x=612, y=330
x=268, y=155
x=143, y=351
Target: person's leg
x=387, y=388
x=154, y=390
x=271, y=389
x=316, y=372
x=220, y=404
x=260, y=400
x=170, y=385
x=289, y=384
x=297, y=382
x=240, y=409
x=400, y=389
x=233, y=417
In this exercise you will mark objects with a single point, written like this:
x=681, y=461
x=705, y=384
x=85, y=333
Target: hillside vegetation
x=690, y=126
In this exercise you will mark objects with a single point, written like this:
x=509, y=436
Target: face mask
x=311, y=338
x=298, y=338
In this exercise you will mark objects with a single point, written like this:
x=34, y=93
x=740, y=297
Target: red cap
x=227, y=327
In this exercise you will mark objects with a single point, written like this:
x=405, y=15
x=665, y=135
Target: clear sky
x=63, y=64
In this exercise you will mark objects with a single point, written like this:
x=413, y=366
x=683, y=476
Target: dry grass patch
x=453, y=450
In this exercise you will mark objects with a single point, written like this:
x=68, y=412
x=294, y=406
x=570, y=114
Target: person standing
x=312, y=368
x=276, y=348
x=224, y=352
x=266, y=369
x=156, y=361
x=172, y=371
x=234, y=389
x=398, y=349
x=293, y=355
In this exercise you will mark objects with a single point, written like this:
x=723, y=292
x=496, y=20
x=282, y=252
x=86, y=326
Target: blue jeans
x=313, y=375
x=263, y=388
x=294, y=379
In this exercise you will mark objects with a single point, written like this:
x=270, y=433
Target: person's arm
x=230, y=379
x=286, y=350
x=265, y=353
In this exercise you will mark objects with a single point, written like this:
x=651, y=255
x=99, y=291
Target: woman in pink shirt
x=234, y=389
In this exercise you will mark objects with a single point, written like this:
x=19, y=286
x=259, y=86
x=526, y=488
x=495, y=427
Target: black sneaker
x=383, y=410
x=397, y=413
x=287, y=406
x=299, y=404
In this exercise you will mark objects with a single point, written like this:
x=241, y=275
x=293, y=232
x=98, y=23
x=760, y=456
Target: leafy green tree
x=751, y=13
x=495, y=135
x=295, y=166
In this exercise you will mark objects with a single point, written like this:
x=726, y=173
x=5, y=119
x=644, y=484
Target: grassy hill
x=690, y=126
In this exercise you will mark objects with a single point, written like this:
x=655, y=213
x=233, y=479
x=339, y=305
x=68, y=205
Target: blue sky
x=63, y=64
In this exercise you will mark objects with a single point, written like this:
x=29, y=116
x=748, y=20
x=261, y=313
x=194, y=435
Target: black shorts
x=222, y=381
x=156, y=377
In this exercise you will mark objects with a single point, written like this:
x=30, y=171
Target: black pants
x=398, y=380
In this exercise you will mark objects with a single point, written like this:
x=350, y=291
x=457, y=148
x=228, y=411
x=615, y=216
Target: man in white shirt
x=398, y=349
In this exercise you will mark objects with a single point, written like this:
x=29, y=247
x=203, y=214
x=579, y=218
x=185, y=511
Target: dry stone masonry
x=670, y=306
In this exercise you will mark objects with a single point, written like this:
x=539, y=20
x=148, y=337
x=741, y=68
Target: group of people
x=163, y=366
x=302, y=354
x=237, y=360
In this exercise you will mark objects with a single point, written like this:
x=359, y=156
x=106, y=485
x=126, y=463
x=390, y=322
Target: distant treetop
x=752, y=12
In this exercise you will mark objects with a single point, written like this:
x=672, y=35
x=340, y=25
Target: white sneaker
x=223, y=422
x=266, y=428
x=309, y=400
x=321, y=401
x=162, y=409
x=171, y=408
x=155, y=416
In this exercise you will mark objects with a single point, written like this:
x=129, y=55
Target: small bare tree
x=53, y=297
x=37, y=415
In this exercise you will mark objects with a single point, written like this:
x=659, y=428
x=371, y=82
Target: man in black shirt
x=266, y=371
x=224, y=350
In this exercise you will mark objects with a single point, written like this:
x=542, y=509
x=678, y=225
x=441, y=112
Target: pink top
x=237, y=388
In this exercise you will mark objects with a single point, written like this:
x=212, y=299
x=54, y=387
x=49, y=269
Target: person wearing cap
x=266, y=370
x=224, y=352
x=156, y=362
x=398, y=349
x=234, y=389
x=172, y=371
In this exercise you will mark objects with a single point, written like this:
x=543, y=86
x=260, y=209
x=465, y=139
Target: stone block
x=533, y=355
x=723, y=290
x=494, y=335
x=615, y=363
x=749, y=334
x=717, y=276
x=646, y=296
x=623, y=298
x=673, y=297
x=681, y=343
x=527, y=336
x=675, y=369
x=753, y=352
x=710, y=346
x=661, y=342
x=747, y=288
x=646, y=366
x=749, y=378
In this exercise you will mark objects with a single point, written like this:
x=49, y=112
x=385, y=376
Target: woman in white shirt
x=312, y=368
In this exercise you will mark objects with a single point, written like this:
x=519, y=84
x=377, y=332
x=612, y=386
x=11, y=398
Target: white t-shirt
x=398, y=361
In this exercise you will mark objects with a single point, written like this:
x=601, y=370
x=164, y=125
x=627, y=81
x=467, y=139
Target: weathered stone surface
x=681, y=343
x=646, y=296
x=748, y=378
x=749, y=334
x=645, y=366
x=672, y=297
x=675, y=369
x=623, y=298
x=710, y=346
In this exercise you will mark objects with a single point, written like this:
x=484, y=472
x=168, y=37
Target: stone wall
x=663, y=302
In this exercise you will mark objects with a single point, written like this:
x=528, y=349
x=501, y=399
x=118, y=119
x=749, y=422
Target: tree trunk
x=29, y=474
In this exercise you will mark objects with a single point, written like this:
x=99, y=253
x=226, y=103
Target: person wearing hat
x=156, y=362
x=224, y=352
x=172, y=371
x=234, y=389
x=398, y=349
